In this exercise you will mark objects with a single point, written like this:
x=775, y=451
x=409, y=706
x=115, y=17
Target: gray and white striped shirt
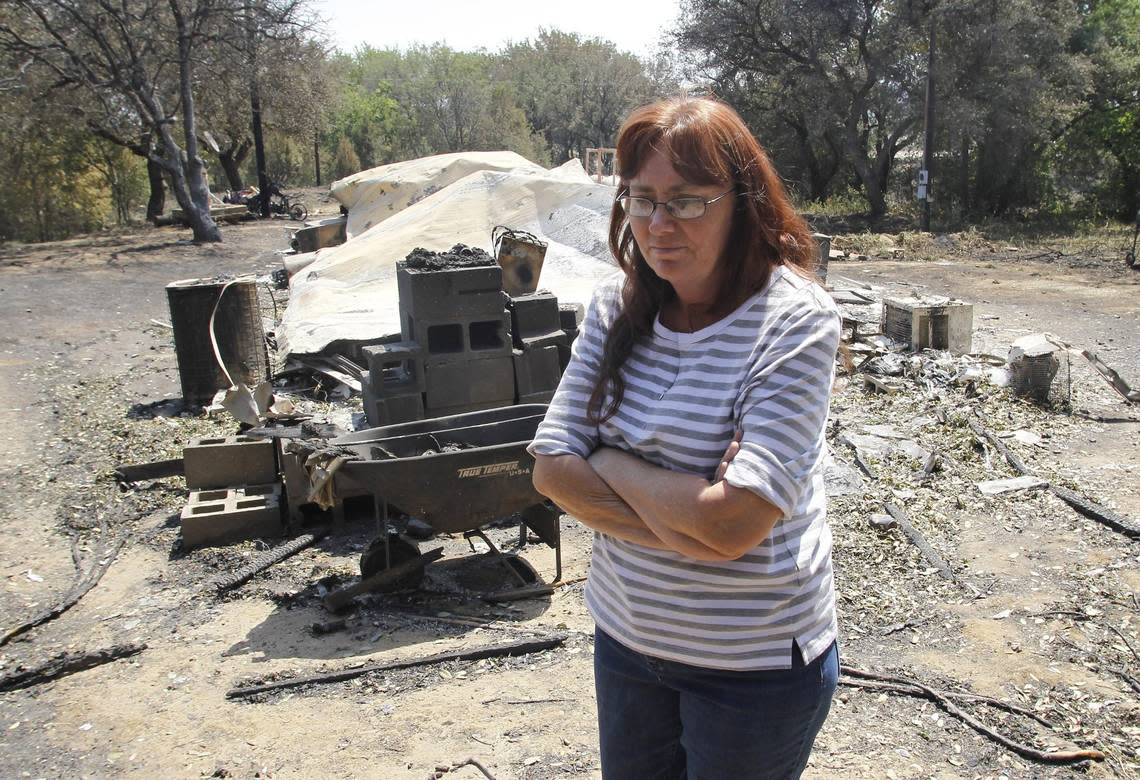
x=765, y=369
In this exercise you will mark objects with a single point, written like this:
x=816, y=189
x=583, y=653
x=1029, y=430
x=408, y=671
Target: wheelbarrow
x=455, y=474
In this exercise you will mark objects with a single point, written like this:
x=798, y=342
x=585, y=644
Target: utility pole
x=925, y=179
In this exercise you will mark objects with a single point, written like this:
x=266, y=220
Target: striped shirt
x=765, y=369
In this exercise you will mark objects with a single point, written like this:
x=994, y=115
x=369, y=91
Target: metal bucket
x=520, y=255
x=237, y=328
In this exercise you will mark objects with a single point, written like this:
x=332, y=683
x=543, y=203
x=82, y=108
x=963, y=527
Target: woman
x=688, y=432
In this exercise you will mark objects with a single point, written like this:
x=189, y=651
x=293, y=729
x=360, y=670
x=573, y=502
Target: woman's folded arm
x=720, y=519
x=574, y=485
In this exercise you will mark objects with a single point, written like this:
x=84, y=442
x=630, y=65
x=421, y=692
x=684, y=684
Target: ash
x=459, y=256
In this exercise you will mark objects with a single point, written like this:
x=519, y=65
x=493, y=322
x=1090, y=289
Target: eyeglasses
x=678, y=208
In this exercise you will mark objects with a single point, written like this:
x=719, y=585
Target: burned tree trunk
x=190, y=178
x=156, y=203
x=231, y=160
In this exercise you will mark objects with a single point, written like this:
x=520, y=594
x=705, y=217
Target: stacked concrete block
x=532, y=315
x=536, y=321
x=537, y=372
x=226, y=515
x=469, y=385
x=449, y=293
x=394, y=383
x=229, y=460
x=570, y=316
x=470, y=337
x=459, y=320
x=389, y=410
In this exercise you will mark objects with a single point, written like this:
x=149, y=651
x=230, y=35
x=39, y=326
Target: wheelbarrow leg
x=380, y=512
x=493, y=550
x=545, y=520
x=557, y=551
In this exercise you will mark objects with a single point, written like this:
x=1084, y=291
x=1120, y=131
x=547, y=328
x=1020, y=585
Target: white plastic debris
x=996, y=487
x=1027, y=437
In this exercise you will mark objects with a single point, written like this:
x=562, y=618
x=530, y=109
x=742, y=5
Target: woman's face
x=684, y=252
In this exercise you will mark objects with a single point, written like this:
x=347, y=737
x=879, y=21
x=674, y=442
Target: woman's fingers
x=729, y=454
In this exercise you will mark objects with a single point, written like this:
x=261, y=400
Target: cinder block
x=454, y=338
x=228, y=461
x=395, y=369
x=390, y=409
x=534, y=315
x=229, y=515
x=551, y=339
x=564, y=348
x=469, y=385
x=536, y=372
x=570, y=315
x=929, y=324
x=450, y=293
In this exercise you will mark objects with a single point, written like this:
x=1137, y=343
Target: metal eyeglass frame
x=626, y=197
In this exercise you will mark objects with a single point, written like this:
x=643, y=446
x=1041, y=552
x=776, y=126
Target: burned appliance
x=929, y=323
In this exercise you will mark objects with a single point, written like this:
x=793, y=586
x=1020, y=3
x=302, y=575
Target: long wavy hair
x=708, y=143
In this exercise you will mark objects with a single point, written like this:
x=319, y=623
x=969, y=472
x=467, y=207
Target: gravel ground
x=1040, y=611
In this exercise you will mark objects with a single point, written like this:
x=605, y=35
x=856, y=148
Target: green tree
x=428, y=100
x=123, y=173
x=842, y=79
x=368, y=120
x=135, y=61
x=575, y=92
x=1009, y=80
x=345, y=162
x=59, y=179
x=1101, y=147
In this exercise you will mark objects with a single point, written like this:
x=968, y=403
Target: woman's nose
x=660, y=220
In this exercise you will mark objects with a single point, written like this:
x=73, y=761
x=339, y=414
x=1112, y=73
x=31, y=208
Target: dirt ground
x=1042, y=614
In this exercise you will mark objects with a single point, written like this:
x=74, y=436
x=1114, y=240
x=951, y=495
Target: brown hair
x=708, y=143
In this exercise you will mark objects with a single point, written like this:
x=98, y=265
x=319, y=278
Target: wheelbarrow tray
x=477, y=469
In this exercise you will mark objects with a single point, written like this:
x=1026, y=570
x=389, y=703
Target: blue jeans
x=662, y=720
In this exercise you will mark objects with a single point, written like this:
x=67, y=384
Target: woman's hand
x=706, y=521
x=571, y=483
x=729, y=454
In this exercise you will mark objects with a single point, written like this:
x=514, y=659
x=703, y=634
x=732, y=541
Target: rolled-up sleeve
x=783, y=403
x=566, y=429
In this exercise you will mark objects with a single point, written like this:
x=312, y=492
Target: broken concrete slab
x=840, y=479
x=320, y=234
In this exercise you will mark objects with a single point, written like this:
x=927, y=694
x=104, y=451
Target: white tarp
x=374, y=195
x=349, y=291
